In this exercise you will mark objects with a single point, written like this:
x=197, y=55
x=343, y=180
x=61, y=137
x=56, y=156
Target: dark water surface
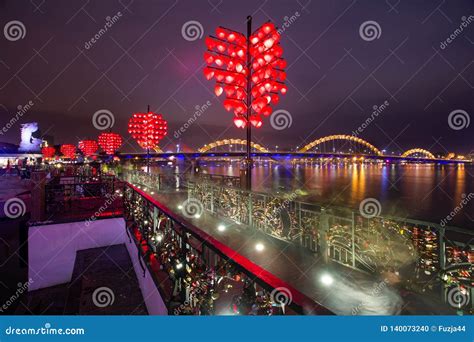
x=425, y=192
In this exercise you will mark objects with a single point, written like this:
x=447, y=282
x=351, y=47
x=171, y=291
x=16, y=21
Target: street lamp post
x=248, y=161
x=250, y=70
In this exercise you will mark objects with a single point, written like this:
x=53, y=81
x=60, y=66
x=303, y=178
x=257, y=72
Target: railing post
x=250, y=209
x=211, y=188
x=155, y=219
x=442, y=260
x=323, y=231
x=353, y=240
x=442, y=249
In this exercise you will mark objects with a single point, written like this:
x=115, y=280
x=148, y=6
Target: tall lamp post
x=250, y=70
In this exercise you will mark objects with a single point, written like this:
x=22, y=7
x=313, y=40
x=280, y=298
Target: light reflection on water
x=425, y=192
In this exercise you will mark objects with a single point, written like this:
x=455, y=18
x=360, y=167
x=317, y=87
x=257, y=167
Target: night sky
x=334, y=76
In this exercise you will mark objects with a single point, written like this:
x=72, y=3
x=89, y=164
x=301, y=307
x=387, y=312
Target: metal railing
x=194, y=271
x=436, y=255
x=80, y=197
x=439, y=259
x=173, y=181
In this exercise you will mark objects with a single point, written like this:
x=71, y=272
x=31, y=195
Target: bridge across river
x=292, y=155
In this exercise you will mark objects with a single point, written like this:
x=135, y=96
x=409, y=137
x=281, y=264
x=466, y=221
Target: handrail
x=348, y=210
x=301, y=303
x=315, y=228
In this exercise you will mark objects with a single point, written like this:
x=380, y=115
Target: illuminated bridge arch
x=225, y=142
x=413, y=151
x=350, y=138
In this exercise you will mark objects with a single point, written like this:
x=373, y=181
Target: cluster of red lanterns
x=88, y=147
x=227, y=62
x=48, y=152
x=148, y=129
x=110, y=142
x=68, y=150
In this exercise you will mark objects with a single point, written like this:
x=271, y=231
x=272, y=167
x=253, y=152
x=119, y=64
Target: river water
x=418, y=191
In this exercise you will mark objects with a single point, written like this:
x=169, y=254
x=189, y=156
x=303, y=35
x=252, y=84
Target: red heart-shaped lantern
x=110, y=142
x=227, y=60
x=88, y=147
x=48, y=152
x=69, y=151
x=148, y=129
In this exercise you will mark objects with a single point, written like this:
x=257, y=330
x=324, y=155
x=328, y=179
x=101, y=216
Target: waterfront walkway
x=341, y=289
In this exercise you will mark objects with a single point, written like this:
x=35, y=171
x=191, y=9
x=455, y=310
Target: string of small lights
x=199, y=285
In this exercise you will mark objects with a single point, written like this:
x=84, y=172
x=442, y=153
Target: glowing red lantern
x=88, y=147
x=110, y=142
x=240, y=121
x=227, y=58
x=148, y=129
x=69, y=151
x=48, y=152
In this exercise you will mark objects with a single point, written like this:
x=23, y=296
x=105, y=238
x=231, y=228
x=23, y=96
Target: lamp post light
x=249, y=69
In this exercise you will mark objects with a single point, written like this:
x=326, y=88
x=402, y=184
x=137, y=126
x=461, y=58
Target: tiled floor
x=103, y=283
